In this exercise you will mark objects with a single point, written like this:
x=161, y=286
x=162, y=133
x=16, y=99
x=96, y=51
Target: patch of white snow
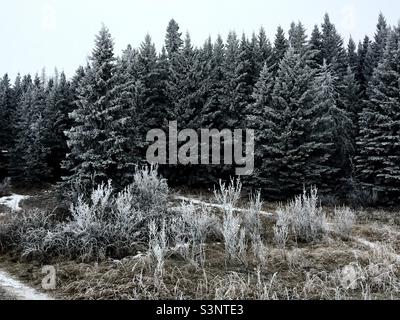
x=13, y=201
x=19, y=290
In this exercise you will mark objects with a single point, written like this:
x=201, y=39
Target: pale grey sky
x=59, y=33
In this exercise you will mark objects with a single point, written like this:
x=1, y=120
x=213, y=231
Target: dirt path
x=12, y=289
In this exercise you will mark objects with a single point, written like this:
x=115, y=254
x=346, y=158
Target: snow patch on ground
x=13, y=201
x=18, y=290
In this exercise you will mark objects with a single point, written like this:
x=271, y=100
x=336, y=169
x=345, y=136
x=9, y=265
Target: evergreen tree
x=231, y=64
x=350, y=101
x=261, y=116
x=30, y=152
x=380, y=39
x=173, y=41
x=287, y=127
x=330, y=139
x=7, y=110
x=20, y=128
x=96, y=139
x=332, y=48
x=129, y=97
x=58, y=106
x=378, y=143
x=264, y=51
x=281, y=45
x=244, y=81
x=185, y=83
x=363, y=67
x=352, y=57
x=214, y=111
x=297, y=37
x=315, y=45
x=173, y=45
x=153, y=74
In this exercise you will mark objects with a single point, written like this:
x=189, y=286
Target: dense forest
x=324, y=113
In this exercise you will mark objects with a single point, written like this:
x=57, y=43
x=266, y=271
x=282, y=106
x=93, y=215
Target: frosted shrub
x=228, y=196
x=307, y=219
x=149, y=190
x=281, y=229
x=231, y=230
x=344, y=220
x=111, y=224
x=259, y=249
x=27, y=233
x=158, y=249
x=191, y=229
x=242, y=247
x=251, y=219
x=102, y=224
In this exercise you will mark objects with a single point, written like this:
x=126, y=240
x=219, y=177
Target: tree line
x=324, y=113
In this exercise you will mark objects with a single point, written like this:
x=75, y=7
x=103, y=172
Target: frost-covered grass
x=344, y=220
x=132, y=245
x=109, y=224
x=303, y=217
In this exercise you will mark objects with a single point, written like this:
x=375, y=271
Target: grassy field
x=218, y=247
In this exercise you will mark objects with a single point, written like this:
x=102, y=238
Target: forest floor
x=302, y=271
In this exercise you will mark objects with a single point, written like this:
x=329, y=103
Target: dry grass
x=219, y=253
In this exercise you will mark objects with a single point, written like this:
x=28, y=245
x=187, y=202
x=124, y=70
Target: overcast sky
x=59, y=33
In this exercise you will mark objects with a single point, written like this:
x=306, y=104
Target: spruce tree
x=264, y=51
x=186, y=83
x=352, y=57
x=96, y=139
x=363, y=69
x=332, y=48
x=330, y=139
x=315, y=44
x=30, y=152
x=281, y=45
x=231, y=63
x=58, y=106
x=378, y=157
x=153, y=74
x=244, y=81
x=350, y=101
x=261, y=116
x=7, y=110
x=285, y=151
x=380, y=39
x=297, y=37
x=214, y=111
x=173, y=40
